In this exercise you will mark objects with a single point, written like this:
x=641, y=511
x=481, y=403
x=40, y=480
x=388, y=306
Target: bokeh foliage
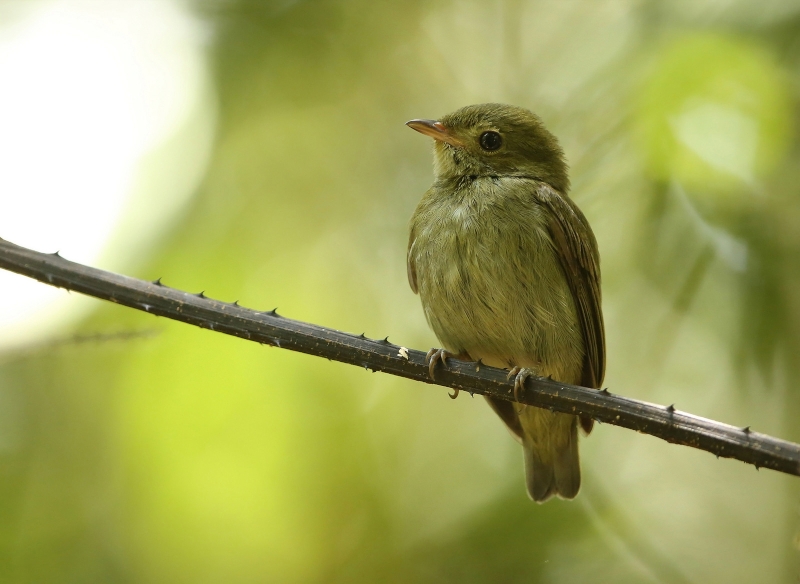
x=195, y=457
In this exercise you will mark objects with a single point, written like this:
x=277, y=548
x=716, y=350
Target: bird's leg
x=520, y=375
x=436, y=355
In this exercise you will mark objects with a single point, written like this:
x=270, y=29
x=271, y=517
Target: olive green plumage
x=507, y=269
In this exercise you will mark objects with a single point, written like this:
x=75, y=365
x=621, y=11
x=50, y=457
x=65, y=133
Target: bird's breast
x=489, y=277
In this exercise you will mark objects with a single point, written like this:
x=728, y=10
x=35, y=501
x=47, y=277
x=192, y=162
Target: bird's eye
x=490, y=141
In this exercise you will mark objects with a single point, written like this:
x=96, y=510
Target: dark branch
x=381, y=355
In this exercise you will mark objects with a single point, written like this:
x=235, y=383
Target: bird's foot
x=520, y=375
x=433, y=357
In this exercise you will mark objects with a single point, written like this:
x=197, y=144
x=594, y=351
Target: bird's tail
x=550, y=445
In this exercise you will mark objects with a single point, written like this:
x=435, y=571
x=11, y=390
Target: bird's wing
x=577, y=250
x=411, y=269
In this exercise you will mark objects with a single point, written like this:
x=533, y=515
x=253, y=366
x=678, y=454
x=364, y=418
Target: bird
x=507, y=269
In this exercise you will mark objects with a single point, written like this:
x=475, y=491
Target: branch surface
x=270, y=328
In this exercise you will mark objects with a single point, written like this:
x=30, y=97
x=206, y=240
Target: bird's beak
x=435, y=130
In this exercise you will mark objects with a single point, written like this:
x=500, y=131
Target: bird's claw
x=520, y=375
x=433, y=357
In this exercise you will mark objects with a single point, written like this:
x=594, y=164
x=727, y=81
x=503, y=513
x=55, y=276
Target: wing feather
x=577, y=250
x=411, y=269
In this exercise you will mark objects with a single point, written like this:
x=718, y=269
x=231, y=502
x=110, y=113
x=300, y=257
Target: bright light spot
x=88, y=89
x=720, y=135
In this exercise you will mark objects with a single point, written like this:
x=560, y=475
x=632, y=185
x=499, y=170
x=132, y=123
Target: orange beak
x=435, y=130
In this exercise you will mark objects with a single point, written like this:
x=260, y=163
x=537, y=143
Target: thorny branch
x=381, y=355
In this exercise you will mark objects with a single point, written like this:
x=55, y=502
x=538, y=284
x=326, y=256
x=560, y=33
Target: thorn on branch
x=670, y=408
x=478, y=364
x=746, y=429
x=56, y=254
x=235, y=303
x=273, y=312
x=605, y=391
x=201, y=294
x=386, y=340
x=157, y=282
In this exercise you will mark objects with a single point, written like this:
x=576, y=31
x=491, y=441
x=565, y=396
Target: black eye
x=490, y=141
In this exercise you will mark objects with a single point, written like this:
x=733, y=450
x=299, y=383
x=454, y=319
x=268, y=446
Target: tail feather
x=539, y=477
x=568, y=466
x=550, y=445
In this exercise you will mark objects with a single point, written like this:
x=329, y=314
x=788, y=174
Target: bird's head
x=493, y=139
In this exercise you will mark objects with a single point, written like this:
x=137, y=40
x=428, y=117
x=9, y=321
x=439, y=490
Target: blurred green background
x=188, y=456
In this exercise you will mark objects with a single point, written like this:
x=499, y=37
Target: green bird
x=508, y=272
